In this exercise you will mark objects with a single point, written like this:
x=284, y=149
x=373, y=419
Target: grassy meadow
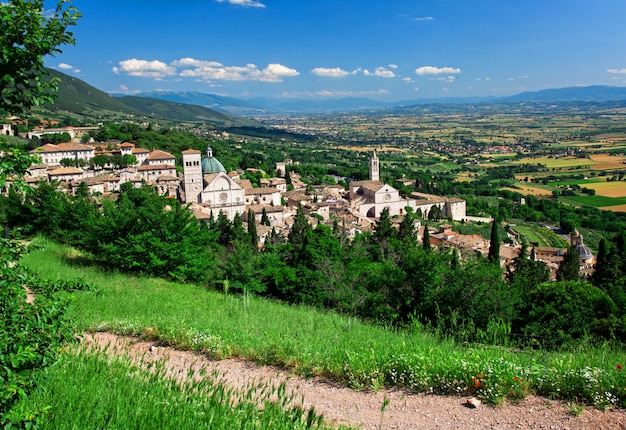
x=315, y=343
x=105, y=391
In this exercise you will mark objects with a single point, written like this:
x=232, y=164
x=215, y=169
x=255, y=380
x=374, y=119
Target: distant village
x=207, y=188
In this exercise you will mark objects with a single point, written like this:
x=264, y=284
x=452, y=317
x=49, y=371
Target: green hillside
x=175, y=111
x=77, y=98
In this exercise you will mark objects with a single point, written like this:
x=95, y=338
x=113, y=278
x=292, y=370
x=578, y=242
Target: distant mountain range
x=256, y=106
x=77, y=97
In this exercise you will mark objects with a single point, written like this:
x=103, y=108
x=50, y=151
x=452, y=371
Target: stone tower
x=192, y=171
x=374, y=168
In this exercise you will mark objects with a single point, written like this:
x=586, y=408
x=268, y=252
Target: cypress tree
x=621, y=252
x=265, y=220
x=426, y=239
x=494, y=244
x=254, y=238
x=455, y=263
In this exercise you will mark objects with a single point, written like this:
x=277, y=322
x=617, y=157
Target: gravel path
x=342, y=405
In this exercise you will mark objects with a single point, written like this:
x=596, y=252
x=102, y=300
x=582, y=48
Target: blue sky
x=381, y=49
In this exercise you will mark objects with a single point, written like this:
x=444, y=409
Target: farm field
x=615, y=208
x=597, y=201
x=526, y=188
x=558, y=163
x=323, y=344
x=608, y=162
x=613, y=189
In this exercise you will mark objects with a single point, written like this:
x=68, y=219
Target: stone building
x=206, y=182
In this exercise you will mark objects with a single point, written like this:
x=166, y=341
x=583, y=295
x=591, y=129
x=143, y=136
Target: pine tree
x=239, y=233
x=606, y=267
x=494, y=244
x=224, y=228
x=300, y=228
x=569, y=269
x=406, y=231
x=383, y=229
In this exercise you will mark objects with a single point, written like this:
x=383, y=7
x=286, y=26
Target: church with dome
x=207, y=184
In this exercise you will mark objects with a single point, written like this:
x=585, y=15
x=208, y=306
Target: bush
x=31, y=334
x=568, y=309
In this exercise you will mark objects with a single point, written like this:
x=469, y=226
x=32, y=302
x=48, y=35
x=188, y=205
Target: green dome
x=211, y=164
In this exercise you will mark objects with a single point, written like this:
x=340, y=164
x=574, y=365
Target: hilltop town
x=203, y=184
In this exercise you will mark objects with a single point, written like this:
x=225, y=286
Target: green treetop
x=28, y=35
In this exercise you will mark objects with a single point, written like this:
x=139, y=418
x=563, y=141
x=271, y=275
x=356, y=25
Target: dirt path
x=363, y=408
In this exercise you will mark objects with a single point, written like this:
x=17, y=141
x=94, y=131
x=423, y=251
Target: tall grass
x=313, y=342
x=88, y=389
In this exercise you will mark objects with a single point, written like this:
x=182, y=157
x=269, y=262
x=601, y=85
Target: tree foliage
x=27, y=36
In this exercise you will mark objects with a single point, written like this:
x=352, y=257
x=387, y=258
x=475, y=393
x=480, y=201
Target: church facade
x=206, y=183
x=371, y=197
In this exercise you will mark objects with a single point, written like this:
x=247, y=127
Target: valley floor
x=364, y=409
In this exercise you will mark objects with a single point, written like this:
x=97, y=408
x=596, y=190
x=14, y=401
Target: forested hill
x=184, y=112
x=76, y=97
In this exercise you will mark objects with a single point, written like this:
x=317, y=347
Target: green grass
x=88, y=389
x=575, y=182
x=311, y=342
x=597, y=201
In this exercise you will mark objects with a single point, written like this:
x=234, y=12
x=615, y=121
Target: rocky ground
x=363, y=409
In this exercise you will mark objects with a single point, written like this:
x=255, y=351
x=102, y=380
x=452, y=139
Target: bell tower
x=374, y=168
x=192, y=171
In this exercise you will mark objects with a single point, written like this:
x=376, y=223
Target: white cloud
x=408, y=80
x=145, y=69
x=381, y=72
x=424, y=18
x=243, y=3
x=617, y=71
x=214, y=71
x=331, y=72
x=123, y=89
x=205, y=70
x=275, y=73
x=431, y=70
x=192, y=62
x=445, y=79
x=64, y=66
x=416, y=88
x=393, y=66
